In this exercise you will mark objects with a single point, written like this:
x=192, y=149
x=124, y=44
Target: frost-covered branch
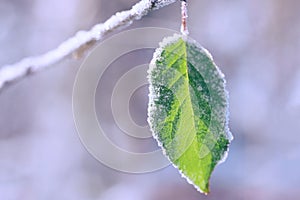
x=78, y=43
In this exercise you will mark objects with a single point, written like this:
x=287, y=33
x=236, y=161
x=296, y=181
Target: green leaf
x=188, y=108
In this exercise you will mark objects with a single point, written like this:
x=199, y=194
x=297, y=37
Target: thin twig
x=79, y=42
x=184, y=16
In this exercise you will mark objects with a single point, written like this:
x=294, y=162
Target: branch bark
x=78, y=43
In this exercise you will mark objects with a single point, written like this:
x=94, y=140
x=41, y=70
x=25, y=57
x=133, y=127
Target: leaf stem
x=184, y=30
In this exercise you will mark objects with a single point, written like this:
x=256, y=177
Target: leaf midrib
x=194, y=129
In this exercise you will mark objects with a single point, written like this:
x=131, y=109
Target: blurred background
x=255, y=43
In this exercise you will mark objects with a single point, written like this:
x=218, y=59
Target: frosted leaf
x=188, y=108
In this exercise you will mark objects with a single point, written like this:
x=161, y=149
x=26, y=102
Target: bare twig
x=184, y=16
x=79, y=42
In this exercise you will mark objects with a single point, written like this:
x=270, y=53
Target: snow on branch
x=79, y=42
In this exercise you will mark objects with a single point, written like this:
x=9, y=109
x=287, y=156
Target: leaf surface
x=188, y=108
